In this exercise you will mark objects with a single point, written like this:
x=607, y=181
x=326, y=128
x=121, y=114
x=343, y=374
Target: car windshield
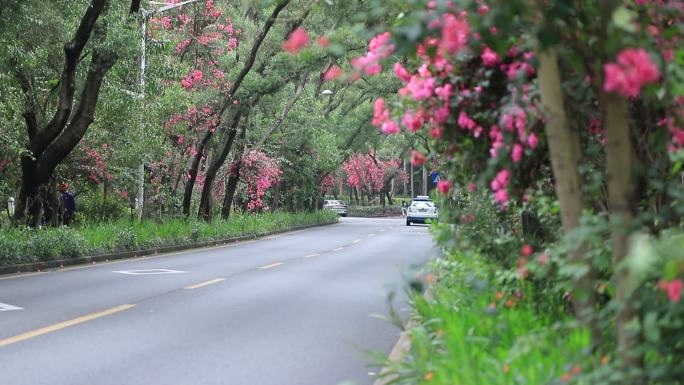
x=426, y=203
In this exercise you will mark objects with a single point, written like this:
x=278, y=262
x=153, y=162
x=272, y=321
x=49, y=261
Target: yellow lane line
x=271, y=265
x=339, y=248
x=311, y=255
x=62, y=325
x=207, y=283
x=21, y=275
x=356, y=241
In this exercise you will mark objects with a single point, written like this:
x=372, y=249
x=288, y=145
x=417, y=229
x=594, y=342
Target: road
x=298, y=308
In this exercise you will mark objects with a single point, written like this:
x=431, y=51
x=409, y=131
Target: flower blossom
x=322, y=41
x=191, y=79
x=378, y=48
x=634, y=69
x=489, y=57
x=673, y=289
x=417, y=158
x=443, y=186
x=401, y=72
x=297, y=40
x=454, y=33
x=390, y=127
x=516, y=153
x=413, y=120
x=332, y=73
x=380, y=113
x=499, y=185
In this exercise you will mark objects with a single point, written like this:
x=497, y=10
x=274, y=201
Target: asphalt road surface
x=300, y=308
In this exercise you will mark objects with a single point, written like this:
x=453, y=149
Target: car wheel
x=408, y=223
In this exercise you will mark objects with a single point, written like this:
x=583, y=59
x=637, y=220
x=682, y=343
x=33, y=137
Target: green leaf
x=651, y=329
x=623, y=19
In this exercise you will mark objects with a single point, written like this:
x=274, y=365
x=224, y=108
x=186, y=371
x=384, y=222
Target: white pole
x=139, y=202
x=143, y=63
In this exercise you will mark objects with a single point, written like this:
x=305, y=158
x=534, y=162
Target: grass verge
x=469, y=332
x=20, y=246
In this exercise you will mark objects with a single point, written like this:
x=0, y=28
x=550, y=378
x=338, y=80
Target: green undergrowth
x=19, y=246
x=374, y=211
x=470, y=331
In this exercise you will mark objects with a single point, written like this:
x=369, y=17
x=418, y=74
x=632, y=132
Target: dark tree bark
x=135, y=6
x=228, y=101
x=205, y=211
x=234, y=178
x=49, y=145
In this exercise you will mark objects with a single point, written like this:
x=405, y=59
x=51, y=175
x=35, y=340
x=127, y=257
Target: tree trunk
x=276, y=196
x=234, y=178
x=49, y=145
x=618, y=149
x=104, y=200
x=192, y=174
x=231, y=186
x=228, y=101
x=205, y=211
x=564, y=147
x=425, y=181
x=412, y=183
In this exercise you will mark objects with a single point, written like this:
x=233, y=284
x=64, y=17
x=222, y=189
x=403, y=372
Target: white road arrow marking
x=7, y=307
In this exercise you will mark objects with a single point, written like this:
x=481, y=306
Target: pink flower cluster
x=379, y=48
x=673, y=289
x=499, y=185
x=260, y=172
x=634, y=68
x=417, y=158
x=369, y=175
x=191, y=79
x=489, y=57
x=455, y=30
x=332, y=73
x=381, y=118
x=297, y=40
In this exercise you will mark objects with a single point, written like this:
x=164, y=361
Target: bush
x=48, y=244
x=472, y=331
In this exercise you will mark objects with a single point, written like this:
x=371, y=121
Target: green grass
x=29, y=245
x=468, y=335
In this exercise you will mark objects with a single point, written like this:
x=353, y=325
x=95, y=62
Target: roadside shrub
x=19, y=246
x=472, y=331
x=126, y=239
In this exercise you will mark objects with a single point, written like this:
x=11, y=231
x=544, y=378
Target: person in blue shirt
x=67, y=202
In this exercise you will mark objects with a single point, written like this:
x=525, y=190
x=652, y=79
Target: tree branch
x=84, y=115
x=72, y=52
x=279, y=121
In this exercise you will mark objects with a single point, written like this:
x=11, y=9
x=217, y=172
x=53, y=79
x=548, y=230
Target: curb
x=399, y=351
x=38, y=266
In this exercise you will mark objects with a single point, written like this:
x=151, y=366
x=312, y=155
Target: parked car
x=420, y=210
x=336, y=206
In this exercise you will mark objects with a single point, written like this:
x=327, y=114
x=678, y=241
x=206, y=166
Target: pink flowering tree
x=486, y=85
x=259, y=172
x=369, y=176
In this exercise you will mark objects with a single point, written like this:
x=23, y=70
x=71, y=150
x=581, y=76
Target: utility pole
x=425, y=180
x=141, y=95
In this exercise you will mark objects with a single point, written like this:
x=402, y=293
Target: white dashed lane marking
x=271, y=265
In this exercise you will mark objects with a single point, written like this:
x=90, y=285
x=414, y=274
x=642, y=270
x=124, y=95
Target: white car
x=336, y=206
x=421, y=209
